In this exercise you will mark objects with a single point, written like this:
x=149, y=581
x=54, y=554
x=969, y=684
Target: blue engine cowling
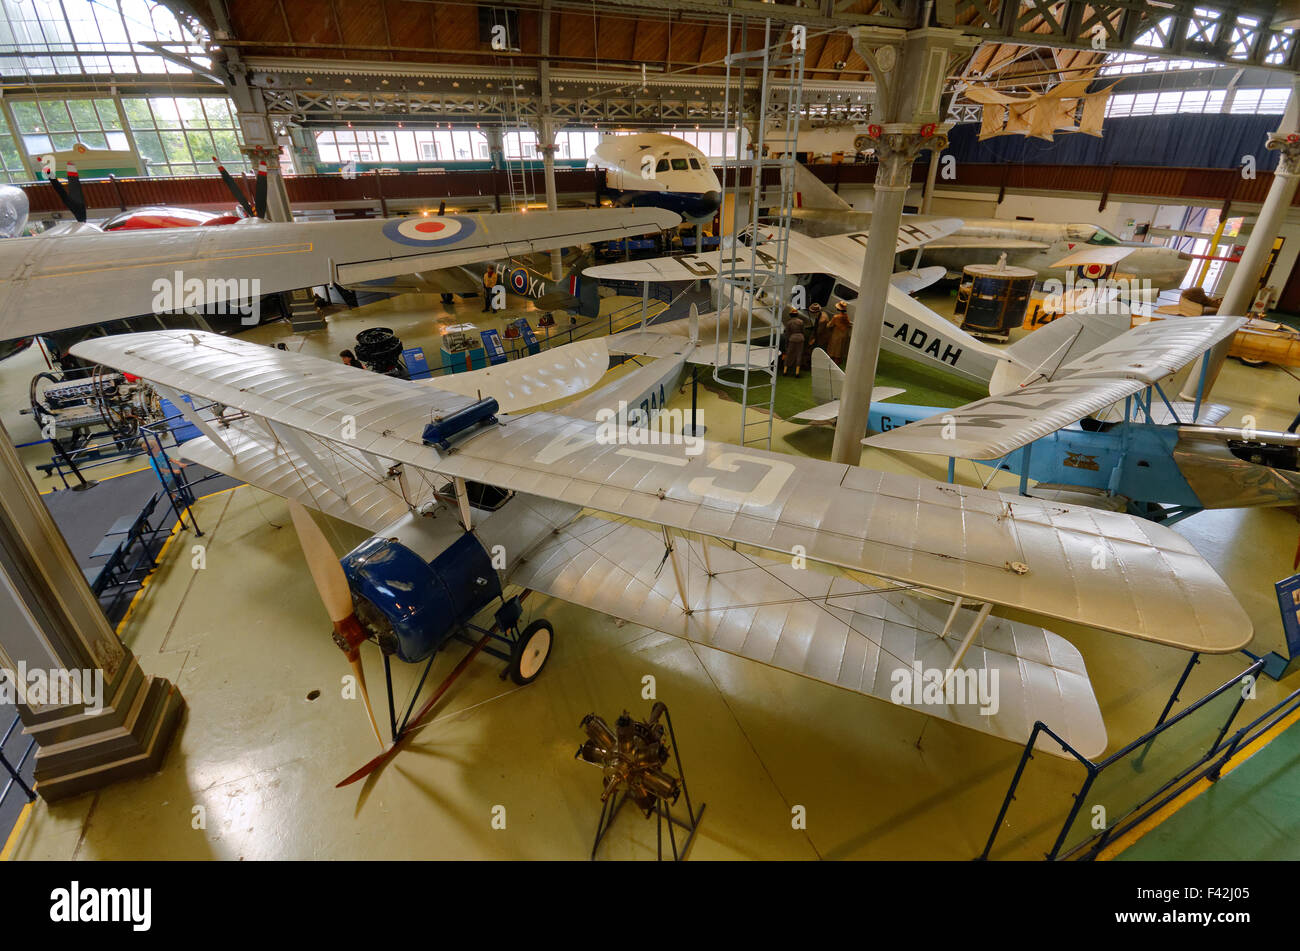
x=423, y=602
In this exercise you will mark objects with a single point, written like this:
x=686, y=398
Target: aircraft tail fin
x=827, y=378
x=814, y=194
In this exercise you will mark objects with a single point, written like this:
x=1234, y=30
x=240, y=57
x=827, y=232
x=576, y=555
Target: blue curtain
x=1195, y=141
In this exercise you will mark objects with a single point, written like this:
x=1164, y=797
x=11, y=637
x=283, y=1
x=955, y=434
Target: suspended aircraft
x=1047, y=248
x=653, y=170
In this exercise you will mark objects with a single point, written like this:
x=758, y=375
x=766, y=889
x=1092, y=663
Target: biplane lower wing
x=830, y=628
x=350, y=487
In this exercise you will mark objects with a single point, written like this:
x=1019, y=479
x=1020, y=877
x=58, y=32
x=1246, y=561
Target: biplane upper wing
x=993, y=427
x=51, y=283
x=1025, y=554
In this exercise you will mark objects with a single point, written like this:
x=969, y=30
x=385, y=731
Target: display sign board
x=1288, y=600
x=530, y=338
x=417, y=364
x=496, y=352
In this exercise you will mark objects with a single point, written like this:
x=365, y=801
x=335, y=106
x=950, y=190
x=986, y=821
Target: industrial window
x=575, y=144
x=58, y=125
x=73, y=37
x=521, y=145
x=180, y=136
x=11, y=163
x=401, y=145
x=715, y=145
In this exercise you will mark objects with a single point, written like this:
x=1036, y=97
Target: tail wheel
x=530, y=652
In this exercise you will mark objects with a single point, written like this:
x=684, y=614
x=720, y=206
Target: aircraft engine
x=412, y=593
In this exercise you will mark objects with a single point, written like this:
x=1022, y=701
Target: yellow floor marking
x=175, y=530
x=12, y=842
x=105, y=479
x=1198, y=787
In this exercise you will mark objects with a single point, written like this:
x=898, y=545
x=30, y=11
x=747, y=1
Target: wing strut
x=186, y=408
x=978, y=623
x=462, y=499
x=670, y=550
x=294, y=440
x=952, y=616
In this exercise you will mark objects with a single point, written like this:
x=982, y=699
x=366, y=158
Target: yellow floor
x=247, y=642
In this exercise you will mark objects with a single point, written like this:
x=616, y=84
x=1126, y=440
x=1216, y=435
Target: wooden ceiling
x=448, y=33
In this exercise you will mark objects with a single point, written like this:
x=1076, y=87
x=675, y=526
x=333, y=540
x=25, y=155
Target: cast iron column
x=53, y=624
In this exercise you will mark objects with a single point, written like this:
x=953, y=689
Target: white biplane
x=468, y=501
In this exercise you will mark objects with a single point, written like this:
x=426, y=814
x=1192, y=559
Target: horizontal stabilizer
x=909, y=282
x=829, y=412
x=1106, y=256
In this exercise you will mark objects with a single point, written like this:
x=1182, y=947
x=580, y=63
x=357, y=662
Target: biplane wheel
x=530, y=650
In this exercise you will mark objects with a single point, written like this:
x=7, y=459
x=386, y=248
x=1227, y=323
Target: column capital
x=897, y=145
x=1288, y=148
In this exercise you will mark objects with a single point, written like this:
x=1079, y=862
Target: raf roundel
x=429, y=232
x=1093, y=272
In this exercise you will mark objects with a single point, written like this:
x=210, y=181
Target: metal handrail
x=1093, y=770
x=15, y=771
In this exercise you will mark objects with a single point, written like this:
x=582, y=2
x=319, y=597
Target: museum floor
x=247, y=642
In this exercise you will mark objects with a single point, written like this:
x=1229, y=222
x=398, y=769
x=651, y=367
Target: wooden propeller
x=335, y=595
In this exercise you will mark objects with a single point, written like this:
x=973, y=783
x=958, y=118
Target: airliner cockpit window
x=695, y=164
x=662, y=166
x=679, y=164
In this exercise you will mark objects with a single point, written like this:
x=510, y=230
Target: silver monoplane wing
x=51, y=283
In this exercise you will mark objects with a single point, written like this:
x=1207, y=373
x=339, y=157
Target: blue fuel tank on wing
x=413, y=606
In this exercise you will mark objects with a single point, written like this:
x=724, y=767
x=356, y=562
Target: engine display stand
x=610, y=808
